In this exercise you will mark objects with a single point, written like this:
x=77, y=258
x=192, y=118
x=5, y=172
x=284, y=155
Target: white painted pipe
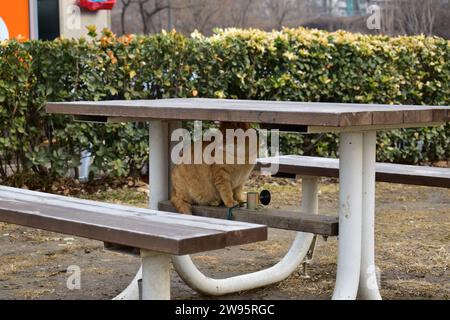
x=159, y=163
x=350, y=207
x=368, y=285
x=310, y=198
x=297, y=252
x=216, y=287
x=155, y=276
x=85, y=164
x=132, y=291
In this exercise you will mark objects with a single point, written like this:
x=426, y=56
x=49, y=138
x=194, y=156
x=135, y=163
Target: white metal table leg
x=159, y=163
x=155, y=276
x=368, y=286
x=290, y=262
x=159, y=186
x=350, y=212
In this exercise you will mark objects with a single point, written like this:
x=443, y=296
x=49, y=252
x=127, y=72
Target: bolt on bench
x=157, y=234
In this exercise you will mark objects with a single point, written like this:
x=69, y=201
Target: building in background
x=49, y=19
x=345, y=8
x=15, y=19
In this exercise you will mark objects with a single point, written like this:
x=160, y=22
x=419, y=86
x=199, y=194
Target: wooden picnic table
x=356, y=123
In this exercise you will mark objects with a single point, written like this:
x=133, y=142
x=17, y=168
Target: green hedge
x=295, y=64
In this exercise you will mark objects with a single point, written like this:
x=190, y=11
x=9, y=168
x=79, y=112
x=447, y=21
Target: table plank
x=270, y=112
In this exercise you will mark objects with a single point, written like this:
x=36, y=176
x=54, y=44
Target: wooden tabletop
x=269, y=112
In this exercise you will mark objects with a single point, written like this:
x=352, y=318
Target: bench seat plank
x=135, y=227
x=279, y=219
x=385, y=172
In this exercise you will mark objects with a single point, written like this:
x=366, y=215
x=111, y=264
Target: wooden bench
x=291, y=166
x=156, y=234
x=275, y=218
x=311, y=222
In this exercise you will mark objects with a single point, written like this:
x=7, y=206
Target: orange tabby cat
x=212, y=184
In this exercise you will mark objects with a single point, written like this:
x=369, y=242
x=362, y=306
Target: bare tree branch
x=148, y=15
x=125, y=5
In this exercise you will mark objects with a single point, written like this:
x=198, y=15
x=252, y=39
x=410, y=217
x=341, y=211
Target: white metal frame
x=350, y=207
x=356, y=271
x=293, y=258
x=356, y=267
x=155, y=276
x=368, y=285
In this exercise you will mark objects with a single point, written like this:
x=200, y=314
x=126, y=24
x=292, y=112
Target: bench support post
x=310, y=198
x=155, y=276
x=310, y=204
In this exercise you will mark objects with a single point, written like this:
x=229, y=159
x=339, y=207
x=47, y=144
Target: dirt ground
x=412, y=250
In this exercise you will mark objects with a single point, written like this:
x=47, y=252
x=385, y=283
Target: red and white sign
x=94, y=5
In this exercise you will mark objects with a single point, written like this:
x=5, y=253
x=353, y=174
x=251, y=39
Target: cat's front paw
x=230, y=204
x=240, y=199
x=215, y=203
